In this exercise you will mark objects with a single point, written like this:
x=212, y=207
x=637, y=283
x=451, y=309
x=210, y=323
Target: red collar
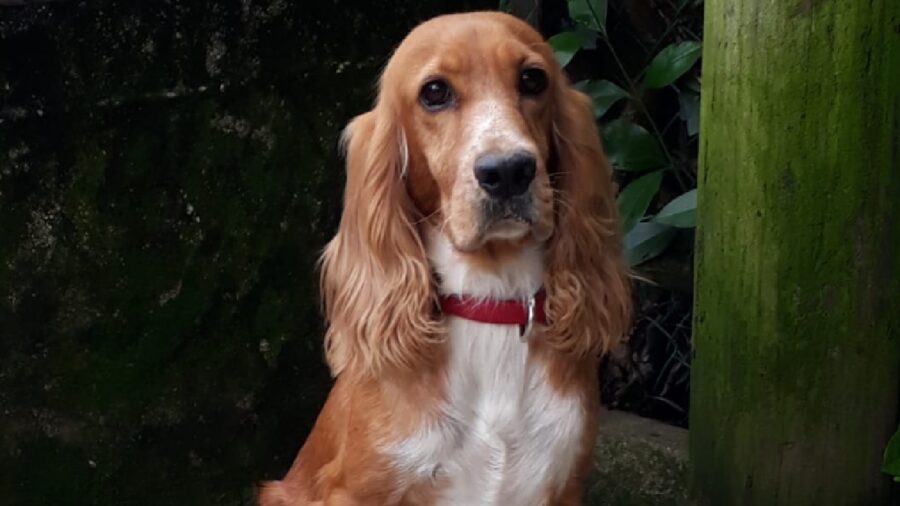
x=500, y=312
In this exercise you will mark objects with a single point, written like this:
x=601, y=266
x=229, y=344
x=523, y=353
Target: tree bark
x=795, y=378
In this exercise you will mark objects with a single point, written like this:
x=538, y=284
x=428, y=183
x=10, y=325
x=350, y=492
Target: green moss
x=795, y=379
x=160, y=218
x=637, y=476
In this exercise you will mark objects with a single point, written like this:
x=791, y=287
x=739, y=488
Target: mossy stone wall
x=168, y=175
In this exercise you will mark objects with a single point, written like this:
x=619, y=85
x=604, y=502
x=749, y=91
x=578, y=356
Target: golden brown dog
x=476, y=181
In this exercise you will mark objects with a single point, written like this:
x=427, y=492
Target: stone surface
x=168, y=175
x=638, y=462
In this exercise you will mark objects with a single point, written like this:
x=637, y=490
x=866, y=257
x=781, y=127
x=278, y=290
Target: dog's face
x=474, y=99
x=476, y=132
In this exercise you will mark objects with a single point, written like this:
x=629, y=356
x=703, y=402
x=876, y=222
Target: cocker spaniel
x=474, y=282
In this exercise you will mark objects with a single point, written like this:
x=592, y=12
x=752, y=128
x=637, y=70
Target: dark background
x=168, y=176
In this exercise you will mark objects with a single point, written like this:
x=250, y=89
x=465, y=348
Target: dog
x=474, y=281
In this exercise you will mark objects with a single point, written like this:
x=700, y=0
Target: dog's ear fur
x=376, y=282
x=589, y=301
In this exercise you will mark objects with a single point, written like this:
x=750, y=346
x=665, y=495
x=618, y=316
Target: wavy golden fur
x=376, y=282
x=589, y=302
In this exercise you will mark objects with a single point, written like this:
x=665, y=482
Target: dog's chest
x=505, y=435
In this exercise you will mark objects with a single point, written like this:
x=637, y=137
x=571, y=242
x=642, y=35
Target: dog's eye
x=436, y=95
x=532, y=82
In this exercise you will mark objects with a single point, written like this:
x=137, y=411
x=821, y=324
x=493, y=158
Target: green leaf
x=692, y=83
x=636, y=197
x=505, y=6
x=565, y=45
x=590, y=13
x=680, y=212
x=689, y=110
x=604, y=94
x=671, y=63
x=646, y=241
x=588, y=37
x=630, y=147
x=891, y=463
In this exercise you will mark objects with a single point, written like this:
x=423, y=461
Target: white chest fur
x=505, y=437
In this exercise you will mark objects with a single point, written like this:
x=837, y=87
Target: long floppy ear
x=589, y=301
x=376, y=284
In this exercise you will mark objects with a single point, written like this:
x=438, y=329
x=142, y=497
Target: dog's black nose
x=505, y=175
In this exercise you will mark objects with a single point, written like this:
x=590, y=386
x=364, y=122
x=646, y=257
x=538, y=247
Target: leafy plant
x=636, y=198
x=604, y=94
x=671, y=63
x=634, y=143
x=891, y=464
x=565, y=45
x=640, y=60
x=679, y=212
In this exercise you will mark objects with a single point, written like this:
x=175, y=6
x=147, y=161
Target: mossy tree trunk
x=798, y=261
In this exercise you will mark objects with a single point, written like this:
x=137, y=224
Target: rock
x=638, y=462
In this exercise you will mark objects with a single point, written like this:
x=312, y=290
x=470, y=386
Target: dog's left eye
x=436, y=95
x=532, y=82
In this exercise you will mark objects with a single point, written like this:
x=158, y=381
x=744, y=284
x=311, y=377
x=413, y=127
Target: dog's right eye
x=436, y=95
x=532, y=82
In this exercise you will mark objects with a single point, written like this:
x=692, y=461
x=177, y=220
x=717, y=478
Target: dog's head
x=473, y=96
x=476, y=130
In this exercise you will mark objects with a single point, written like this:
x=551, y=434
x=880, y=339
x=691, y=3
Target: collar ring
x=525, y=330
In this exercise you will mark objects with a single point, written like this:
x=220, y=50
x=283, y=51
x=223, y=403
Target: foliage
x=680, y=211
x=635, y=144
x=671, y=63
x=651, y=374
x=635, y=199
x=589, y=13
x=603, y=93
x=891, y=463
x=637, y=61
x=565, y=45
